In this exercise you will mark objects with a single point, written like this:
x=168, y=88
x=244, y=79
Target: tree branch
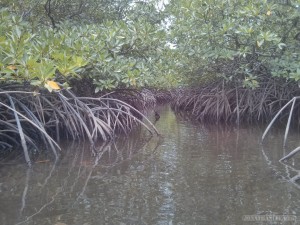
x=47, y=7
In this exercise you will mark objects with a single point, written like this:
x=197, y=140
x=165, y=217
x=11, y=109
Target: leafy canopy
x=237, y=40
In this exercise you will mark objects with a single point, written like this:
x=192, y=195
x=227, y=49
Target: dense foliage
x=239, y=41
x=112, y=54
x=128, y=45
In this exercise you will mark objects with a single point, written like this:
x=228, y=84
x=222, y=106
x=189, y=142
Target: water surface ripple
x=195, y=174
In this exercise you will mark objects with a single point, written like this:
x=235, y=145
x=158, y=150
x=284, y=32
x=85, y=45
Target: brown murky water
x=195, y=174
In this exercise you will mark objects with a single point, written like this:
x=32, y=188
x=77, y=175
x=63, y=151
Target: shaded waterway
x=194, y=174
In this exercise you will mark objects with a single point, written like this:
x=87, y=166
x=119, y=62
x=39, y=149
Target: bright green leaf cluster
x=113, y=54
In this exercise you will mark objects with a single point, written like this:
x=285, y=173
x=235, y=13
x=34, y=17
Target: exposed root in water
x=291, y=103
x=219, y=102
x=142, y=99
x=35, y=119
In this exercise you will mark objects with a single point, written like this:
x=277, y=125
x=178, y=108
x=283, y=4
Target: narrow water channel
x=194, y=174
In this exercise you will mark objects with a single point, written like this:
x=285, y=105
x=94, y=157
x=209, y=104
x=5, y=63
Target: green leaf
x=36, y=82
x=260, y=43
x=281, y=45
x=48, y=87
x=18, y=31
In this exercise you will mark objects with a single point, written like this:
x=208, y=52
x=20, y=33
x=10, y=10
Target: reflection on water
x=195, y=174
